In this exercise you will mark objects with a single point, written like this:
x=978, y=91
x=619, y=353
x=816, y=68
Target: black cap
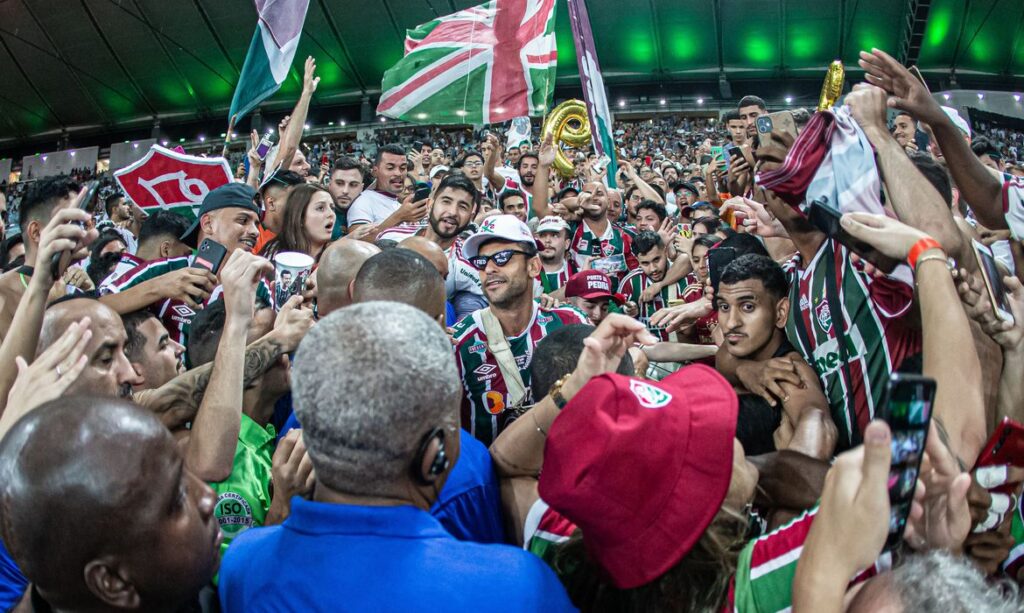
x=239, y=195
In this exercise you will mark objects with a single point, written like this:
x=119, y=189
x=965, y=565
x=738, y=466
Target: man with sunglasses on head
x=494, y=346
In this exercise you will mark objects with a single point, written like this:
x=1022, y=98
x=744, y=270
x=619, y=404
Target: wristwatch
x=556, y=392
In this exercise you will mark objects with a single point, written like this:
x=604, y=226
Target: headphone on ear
x=440, y=463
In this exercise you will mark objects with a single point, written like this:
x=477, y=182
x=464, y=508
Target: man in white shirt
x=379, y=205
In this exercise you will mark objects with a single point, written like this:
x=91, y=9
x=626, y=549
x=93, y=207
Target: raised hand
x=309, y=80
x=905, y=91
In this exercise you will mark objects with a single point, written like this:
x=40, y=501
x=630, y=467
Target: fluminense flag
x=485, y=64
x=270, y=53
x=593, y=86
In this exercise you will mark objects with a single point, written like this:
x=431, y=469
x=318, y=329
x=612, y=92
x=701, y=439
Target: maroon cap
x=591, y=285
x=642, y=467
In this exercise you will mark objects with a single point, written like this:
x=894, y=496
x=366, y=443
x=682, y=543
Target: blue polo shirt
x=12, y=582
x=327, y=557
x=469, y=506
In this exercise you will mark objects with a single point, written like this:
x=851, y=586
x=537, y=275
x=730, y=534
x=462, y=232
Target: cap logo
x=648, y=396
x=488, y=225
x=600, y=284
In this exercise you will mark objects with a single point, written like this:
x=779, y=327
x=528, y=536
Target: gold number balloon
x=832, y=88
x=567, y=123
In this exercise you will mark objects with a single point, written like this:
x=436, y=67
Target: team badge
x=648, y=396
x=824, y=315
x=607, y=249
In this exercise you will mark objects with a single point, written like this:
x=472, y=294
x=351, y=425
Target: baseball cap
x=957, y=120
x=240, y=195
x=498, y=227
x=642, y=467
x=437, y=169
x=592, y=285
x=552, y=223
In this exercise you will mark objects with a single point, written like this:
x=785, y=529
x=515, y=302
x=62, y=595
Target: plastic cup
x=291, y=269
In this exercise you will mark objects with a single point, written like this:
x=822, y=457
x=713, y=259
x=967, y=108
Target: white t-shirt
x=371, y=207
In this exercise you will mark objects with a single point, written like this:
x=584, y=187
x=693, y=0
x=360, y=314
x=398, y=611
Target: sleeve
x=466, y=302
x=135, y=276
x=891, y=296
x=359, y=212
x=1013, y=204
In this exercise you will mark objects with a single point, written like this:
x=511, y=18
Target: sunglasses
x=500, y=258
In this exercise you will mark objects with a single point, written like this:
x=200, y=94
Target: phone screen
x=993, y=280
x=908, y=412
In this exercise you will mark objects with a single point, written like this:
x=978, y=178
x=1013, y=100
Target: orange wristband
x=920, y=247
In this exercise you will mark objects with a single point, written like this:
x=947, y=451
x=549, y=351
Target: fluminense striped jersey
x=517, y=186
x=635, y=283
x=545, y=529
x=552, y=281
x=175, y=315
x=1013, y=204
x=485, y=394
x=878, y=336
x=614, y=241
x=764, y=574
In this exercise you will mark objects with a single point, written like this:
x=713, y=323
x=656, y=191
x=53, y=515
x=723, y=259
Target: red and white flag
x=164, y=178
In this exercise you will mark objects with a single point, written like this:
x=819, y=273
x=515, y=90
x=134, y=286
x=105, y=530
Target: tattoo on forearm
x=944, y=439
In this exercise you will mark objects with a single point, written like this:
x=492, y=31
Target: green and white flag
x=270, y=53
x=485, y=64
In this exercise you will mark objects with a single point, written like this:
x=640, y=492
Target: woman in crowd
x=307, y=225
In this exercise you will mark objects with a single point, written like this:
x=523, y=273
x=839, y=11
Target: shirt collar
x=407, y=521
x=254, y=434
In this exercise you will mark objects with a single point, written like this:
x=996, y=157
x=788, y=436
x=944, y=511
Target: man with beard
x=345, y=186
x=379, y=205
x=229, y=216
x=750, y=108
x=493, y=346
x=653, y=266
x=596, y=237
x=526, y=165
x=452, y=208
x=155, y=358
x=512, y=203
x=553, y=241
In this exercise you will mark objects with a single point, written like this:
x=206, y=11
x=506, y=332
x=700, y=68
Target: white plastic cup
x=291, y=269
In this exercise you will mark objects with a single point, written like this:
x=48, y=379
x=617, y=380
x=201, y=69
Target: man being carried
x=596, y=237
x=493, y=345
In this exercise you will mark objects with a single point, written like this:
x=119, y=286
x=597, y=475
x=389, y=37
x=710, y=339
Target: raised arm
x=645, y=190
x=545, y=159
x=981, y=190
x=948, y=348
x=211, y=446
x=491, y=149
x=190, y=285
x=293, y=133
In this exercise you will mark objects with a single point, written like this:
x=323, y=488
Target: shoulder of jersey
x=568, y=314
x=629, y=276
x=465, y=328
x=170, y=264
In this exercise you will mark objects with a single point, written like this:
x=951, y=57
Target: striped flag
x=270, y=53
x=593, y=86
x=485, y=64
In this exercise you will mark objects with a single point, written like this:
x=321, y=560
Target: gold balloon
x=832, y=88
x=567, y=123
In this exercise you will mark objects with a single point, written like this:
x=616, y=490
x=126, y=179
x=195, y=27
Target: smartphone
x=993, y=279
x=921, y=140
x=210, y=256
x=263, y=148
x=826, y=218
x=718, y=259
x=778, y=123
x=705, y=160
x=422, y=192
x=1005, y=446
x=908, y=411
x=601, y=163
x=83, y=205
x=732, y=151
x=686, y=230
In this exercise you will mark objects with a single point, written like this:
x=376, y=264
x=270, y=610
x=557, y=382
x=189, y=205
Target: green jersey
x=243, y=499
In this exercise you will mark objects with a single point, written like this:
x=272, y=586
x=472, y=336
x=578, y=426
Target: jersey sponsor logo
x=544, y=319
x=484, y=369
x=183, y=311
x=826, y=355
x=494, y=402
x=648, y=396
x=480, y=348
x=804, y=302
x=233, y=513
x=824, y=315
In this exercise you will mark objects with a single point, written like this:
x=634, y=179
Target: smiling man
x=654, y=264
x=176, y=288
x=596, y=237
x=494, y=346
x=376, y=205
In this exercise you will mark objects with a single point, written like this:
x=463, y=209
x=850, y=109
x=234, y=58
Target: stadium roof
x=95, y=64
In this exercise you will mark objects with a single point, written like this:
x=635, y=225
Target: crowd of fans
x=668, y=382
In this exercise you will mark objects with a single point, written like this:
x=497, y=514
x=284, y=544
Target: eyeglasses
x=473, y=164
x=500, y=258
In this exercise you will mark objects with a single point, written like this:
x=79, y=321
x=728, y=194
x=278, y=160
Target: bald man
x=338, y=267
x=428, y=249
x=100, y=512
x=401, y=275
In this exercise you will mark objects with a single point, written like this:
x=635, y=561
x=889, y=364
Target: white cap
x=957, y=120
x=552, y=223
x=437, y=169
x=500, y=227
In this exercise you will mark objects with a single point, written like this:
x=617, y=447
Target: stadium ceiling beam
x=28, y=80
x=64, y=62
x=394, y=22
x=170, y=58
x=912, y=33
x=657, y=36
x=782, y=36
x=216, y=38
x=970, y=41
x=117, y=58
x=716, y=13
x=341, y=45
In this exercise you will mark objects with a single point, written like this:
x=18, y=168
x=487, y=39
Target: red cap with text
x=642, y=467
x=591, y=285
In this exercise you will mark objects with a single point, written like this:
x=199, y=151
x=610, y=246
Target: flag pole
x=227, y=137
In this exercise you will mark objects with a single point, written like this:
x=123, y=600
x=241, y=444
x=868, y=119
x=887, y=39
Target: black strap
x=26, y=270
x=835, y=309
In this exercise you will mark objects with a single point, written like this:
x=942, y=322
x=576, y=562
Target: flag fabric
x=166, y=179
x=593, y=86
x=485, y=64
x=270, y=53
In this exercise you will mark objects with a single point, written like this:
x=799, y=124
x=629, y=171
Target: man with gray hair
x=383, y=442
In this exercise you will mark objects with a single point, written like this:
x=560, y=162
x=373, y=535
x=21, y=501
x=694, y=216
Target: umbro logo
x=183, y=311
x=484, y=369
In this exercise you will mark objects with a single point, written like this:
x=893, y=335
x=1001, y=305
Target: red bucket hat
x=642, y=467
